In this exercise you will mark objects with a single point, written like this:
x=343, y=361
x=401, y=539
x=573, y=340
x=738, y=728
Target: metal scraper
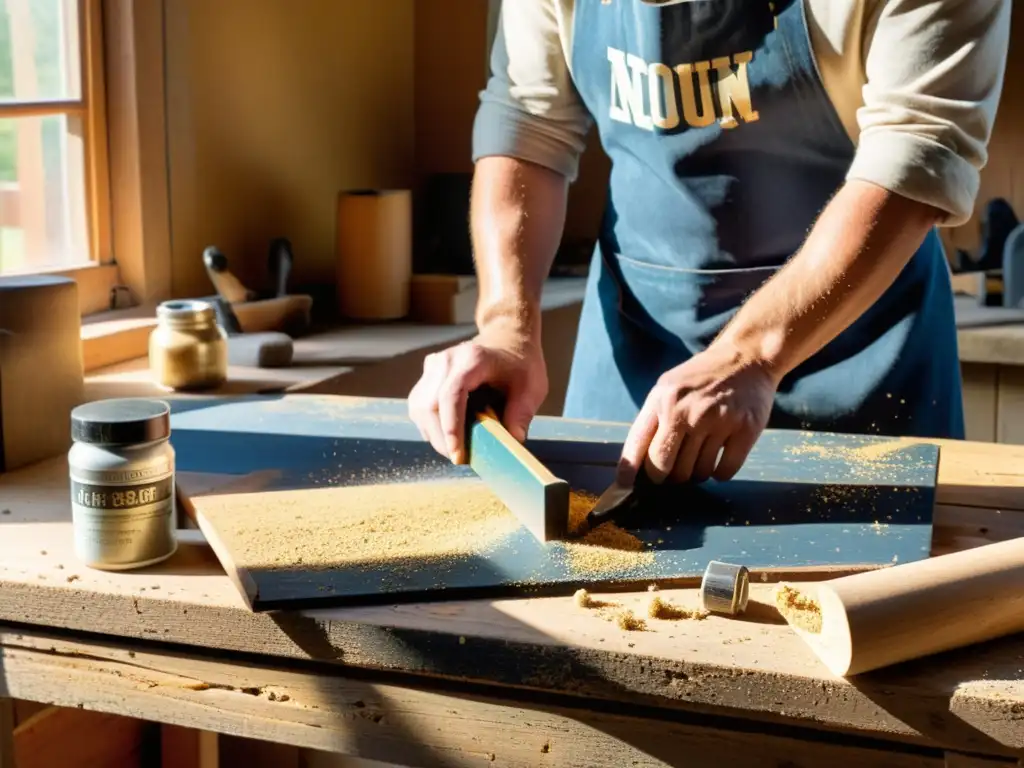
x=616, y=500
x=529, y=489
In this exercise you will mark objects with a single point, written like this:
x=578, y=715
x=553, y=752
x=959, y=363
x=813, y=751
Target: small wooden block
x=528, y=488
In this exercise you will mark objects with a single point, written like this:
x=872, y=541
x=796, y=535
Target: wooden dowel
x=871, y=620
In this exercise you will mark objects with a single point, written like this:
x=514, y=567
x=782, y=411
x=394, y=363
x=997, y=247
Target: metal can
x=122, y=483
x=188, y=350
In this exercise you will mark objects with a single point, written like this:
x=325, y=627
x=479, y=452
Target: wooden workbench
x=525, y=682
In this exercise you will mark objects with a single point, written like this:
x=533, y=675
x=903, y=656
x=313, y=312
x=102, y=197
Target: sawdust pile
x=628, y=621
x=798, y=609
x=660, y=608
x=606, y=549
x=586, y=600
x=387, y=525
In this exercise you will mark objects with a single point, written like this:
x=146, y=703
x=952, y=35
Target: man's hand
x=508, y=361
x=718, y=401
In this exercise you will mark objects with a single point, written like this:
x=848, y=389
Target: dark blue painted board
x=799, y=501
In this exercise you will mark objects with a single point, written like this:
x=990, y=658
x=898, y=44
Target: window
x=54, y=205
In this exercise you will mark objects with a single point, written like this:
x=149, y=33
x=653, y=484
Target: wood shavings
x=798, y=609
x=660, y=608
x=628, y=621
x=606, y=549
x=584, y=599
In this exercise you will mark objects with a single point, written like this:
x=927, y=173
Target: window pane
x=42, y=194
x=39, y=51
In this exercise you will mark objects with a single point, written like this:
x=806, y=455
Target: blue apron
x=725, y=147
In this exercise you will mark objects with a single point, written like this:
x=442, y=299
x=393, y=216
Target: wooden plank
x=981, y=388
x=6, y=732
x=777, y=514
x=182, y=747
x=78, y=738
x=395, y=723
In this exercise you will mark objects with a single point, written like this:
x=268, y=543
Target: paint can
x=122, y=483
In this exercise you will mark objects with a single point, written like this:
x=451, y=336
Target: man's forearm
x=854, y=252
x=517, y=214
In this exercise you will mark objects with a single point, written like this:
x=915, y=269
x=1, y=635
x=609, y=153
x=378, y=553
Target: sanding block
x=523, y=484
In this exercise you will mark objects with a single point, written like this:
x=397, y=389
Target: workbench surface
x=754, y=668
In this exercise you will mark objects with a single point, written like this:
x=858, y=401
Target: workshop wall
x=270, y=112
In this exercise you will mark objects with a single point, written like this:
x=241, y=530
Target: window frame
x=123, y=110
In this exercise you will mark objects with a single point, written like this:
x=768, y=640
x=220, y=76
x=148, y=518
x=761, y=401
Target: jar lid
x=186, y=311
x=121, y=421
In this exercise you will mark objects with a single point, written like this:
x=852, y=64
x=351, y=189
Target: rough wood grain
x=442, y=728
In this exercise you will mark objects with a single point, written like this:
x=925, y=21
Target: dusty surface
x=368, y=525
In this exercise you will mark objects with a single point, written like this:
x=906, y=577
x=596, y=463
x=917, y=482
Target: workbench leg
x=6, y=733
x=187, y=748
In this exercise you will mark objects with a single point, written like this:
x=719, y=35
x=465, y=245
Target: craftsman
x=768, y=254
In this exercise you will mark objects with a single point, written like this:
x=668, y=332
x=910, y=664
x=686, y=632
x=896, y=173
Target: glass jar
x=188, y=350
x=122, y=483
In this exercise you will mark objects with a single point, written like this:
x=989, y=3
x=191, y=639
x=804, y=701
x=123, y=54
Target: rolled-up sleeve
x=530, y=108
x=934, y=73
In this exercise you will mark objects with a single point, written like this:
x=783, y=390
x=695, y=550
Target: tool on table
x=255, y=350
x=893, y=614
x=528, y=488
x=227, y=285
x=725, y=588
x=280, y=260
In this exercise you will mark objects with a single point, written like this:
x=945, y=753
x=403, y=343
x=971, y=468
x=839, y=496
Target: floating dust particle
x=72, y=578
x=798, y=609
x=586, y=600
x=629, y=621
x=652, y=588
x=391, y=525
x=604, y=549
x=659, y=608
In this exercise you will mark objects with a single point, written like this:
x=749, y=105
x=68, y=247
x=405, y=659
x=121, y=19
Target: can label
x=123, y=524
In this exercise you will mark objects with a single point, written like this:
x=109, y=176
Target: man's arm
x=527, y=139
x=517, y=213
x=934, y=75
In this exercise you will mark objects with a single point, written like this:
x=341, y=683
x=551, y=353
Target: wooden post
x=6, y=733
x=187, y=748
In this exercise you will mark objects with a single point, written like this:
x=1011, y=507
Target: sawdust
x=586, y=600
x=396, y=526
x=798, y=609
x=628, y=621
x=374, y=526
x=606, y=549
x=660, y=608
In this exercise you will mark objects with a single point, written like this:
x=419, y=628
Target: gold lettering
x=627, y=89
x=694, y=117
x=662, y=86
x=734, y=89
